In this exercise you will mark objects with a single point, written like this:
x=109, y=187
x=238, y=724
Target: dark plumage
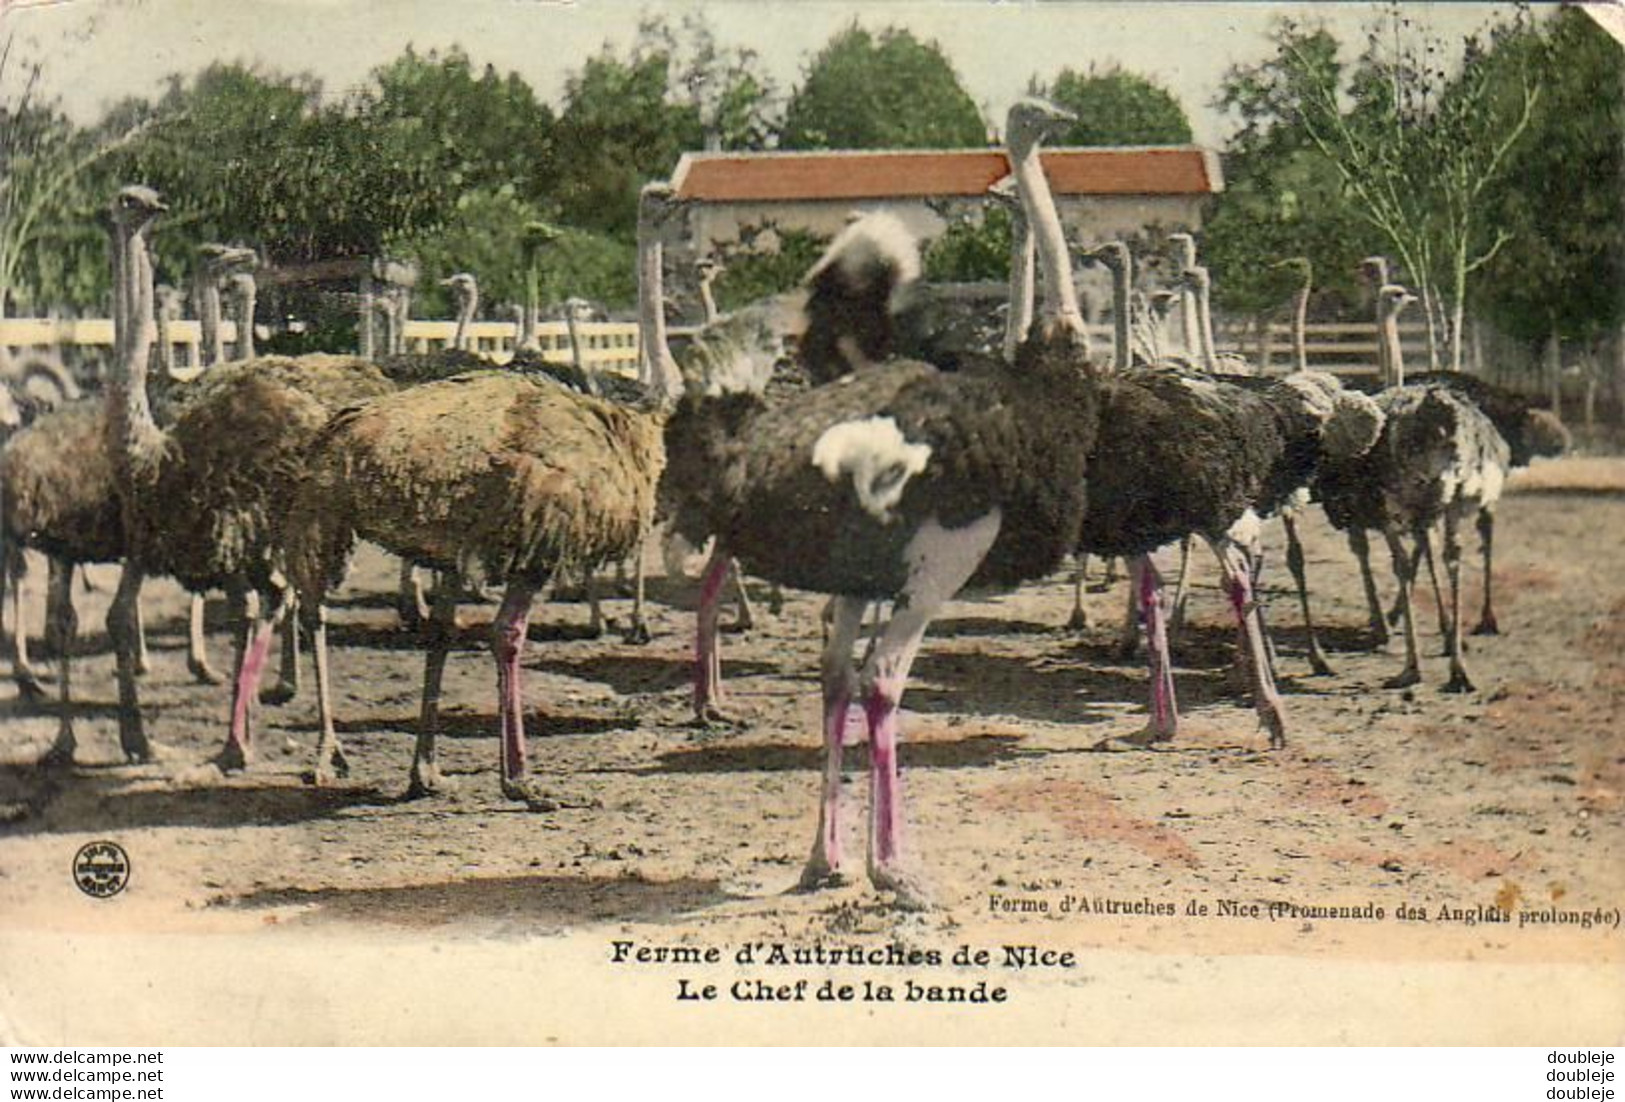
x=899, y=483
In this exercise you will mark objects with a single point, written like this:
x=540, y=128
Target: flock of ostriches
x=883, y=464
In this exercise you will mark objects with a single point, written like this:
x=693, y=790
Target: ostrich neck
x=137, y=441
x=659, y=368
x=245, y=325
x=1060, y=295
x=575, y=342
x=207, y=292
x=166, y=350
x=1300, y=330
x=708, y=302
x=1122, y=281
x=465, y=319
x=1204, y=315
x=1023, y=260
x=1392, y=357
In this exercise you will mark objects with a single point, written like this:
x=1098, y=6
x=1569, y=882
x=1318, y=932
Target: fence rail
x=1343, y=348
x=608, y=346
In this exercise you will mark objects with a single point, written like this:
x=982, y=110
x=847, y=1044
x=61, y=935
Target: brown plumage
x=513, y=476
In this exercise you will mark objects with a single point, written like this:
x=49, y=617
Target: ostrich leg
x=637, y=633
x=61, y=751
x=1145, y=588
x=824, y=866
x=288, y=682
x=1459, y=681
x=330, y=759
x=746, y=619
x=1182, y=588
x=941, y=560
x=143, y=658
x=426, y=777
x=1486, y=535
x=1079, y=620
x=1295, y=563
x=1406, y=573
x=1128, y=636
x=28, y=684
x=254, y=636
x=410, y=601
x=123, y=622
x=1373, y=603
x=197, y=654
x=508, y=644
x=1424, y=549
x=708, y=699
x=1238, y=586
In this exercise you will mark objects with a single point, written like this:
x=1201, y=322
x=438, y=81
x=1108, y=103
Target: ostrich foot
x=1271, y=720
x=143, y=665
x=1079, y=620
x=426, y=780
x=817, y=875
x=1127, y=649
x=1318, y=663
x=29, y=689
x=233, y=757
x=739, y=626
x=526, y=791
x=711, y=717
x=60, y=755
x=906, y=886
x=1404, y=679
x=1379, y=634
x=775, y=601
x=280, y=693
x=1459, y=683
x=638, y=634
x=336, y=767
x=203, y=673
x=1144, y=739
x=1487, y=626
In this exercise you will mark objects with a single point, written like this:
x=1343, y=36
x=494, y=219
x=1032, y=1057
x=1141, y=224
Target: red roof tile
x=850, y=175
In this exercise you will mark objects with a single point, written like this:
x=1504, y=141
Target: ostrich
x=504, y=472
x=896, y=483
x=214, y=266
x=1225, y=451
x=232, y=456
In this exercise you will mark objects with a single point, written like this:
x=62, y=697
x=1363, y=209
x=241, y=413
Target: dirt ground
x=1502, y=801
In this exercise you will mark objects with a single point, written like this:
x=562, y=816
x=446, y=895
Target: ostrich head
x=658, y=204
x=1540, y=432
x=1196, y=278
x=1163, y=303
x=1391, y=299
x=463, y=286
x=708, y=268
x=170, y=302
x=577, y=309
x=1003, y=193
x=1032, y=121
x=1374, y=271
x=1113, y=254
x=1182, y=250
x=134, y=207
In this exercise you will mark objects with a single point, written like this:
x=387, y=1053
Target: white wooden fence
x=609, y=346
x=1344, y=348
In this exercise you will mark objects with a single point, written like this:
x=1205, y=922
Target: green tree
x=1282, y=197
x=1115, y=107
x=865, y=91
x=972, y=249
x=51, y=251
x=1560, y=201
x=766, y=260
x=483, y=131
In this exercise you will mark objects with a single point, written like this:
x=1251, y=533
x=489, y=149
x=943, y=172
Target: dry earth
x=261, y=908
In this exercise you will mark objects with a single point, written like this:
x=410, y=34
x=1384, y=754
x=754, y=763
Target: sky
x=98, y=51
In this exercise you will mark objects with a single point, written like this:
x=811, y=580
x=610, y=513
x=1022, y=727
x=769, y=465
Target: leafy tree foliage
x=972, y=249
x=1560, y=201
x=1115, y=107
x=890, y=90
x=766, y=260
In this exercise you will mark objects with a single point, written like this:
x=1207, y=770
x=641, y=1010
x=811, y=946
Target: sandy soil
x=1508, y=799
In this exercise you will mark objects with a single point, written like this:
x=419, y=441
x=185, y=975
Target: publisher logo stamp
x=101, y=869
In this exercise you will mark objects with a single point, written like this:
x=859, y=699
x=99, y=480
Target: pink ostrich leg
x=1147, y=582
x=507, y=646
x=887, y=677
x=1238, y=586
x=707, y=655
x=824, y=866
x=239, y=748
